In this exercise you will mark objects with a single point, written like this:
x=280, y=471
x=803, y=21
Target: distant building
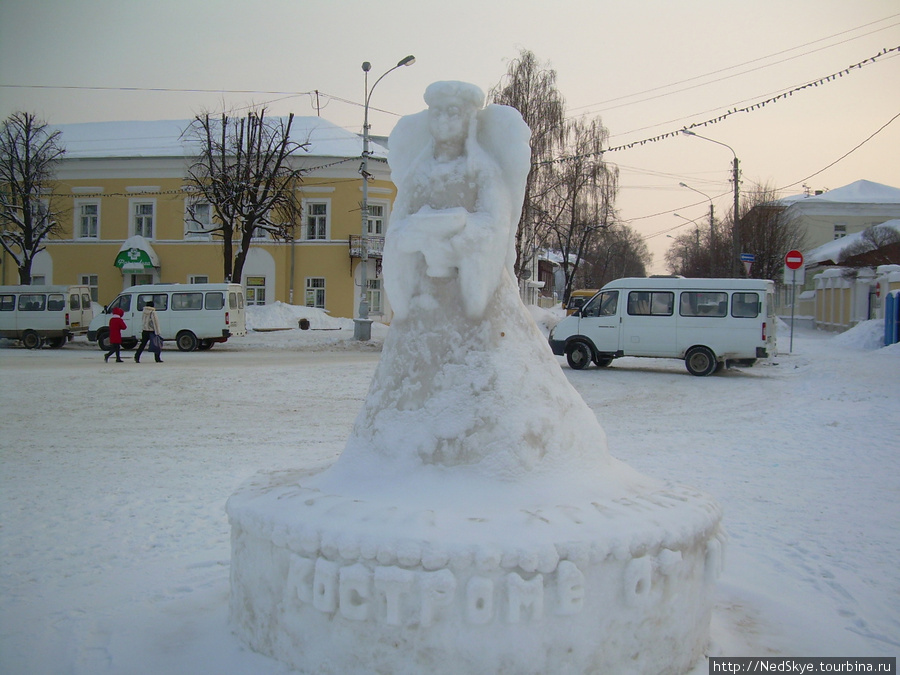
x=830, y=215
x=121, y=186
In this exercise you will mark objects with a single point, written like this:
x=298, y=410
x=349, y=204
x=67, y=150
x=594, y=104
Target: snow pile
x=281, y=316
x=866, y=335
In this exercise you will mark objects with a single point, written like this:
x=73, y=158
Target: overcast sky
x=646, y=67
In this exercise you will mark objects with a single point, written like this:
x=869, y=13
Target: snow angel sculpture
x=460, y=171
x=465, y=375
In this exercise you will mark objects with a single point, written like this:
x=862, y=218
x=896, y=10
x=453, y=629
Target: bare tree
x=878, y=245
x=244, y=174
x=530, y=88
x=619, y=251
x=29, y=151
x=766, y=232
x=579, y=201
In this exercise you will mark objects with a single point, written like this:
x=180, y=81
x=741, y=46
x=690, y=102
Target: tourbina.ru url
x=786, y=664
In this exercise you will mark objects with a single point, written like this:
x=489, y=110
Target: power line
x=745, y=109
x=746, y=63
x=845, y=155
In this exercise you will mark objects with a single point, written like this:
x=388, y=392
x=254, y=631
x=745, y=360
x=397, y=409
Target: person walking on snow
x=149, y=326
x=116, y=326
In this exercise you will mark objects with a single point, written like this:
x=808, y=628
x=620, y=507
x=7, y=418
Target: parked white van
x=710, y=323
x=44, y=314
x=195, y=316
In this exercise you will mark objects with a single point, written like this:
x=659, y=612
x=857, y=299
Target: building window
x=87, y=220
x=198, y=279
x=202, y=223
x=256, y=290
x=316, y=220
x=373, y=295
x=38, y=280
x=91, y=281
x=376, y=220
x=142, y=216
x=840, y=231
x=315, y=292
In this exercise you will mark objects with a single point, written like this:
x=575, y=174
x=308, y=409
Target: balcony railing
x=375, y=246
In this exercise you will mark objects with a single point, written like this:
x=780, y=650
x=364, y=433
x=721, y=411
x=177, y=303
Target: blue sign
x=748, y=257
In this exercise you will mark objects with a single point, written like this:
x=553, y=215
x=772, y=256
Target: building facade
x=124, y=204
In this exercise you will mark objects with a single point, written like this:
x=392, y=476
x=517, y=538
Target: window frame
x=307, y=205
x=78, y=219
x=381, y=220
x=133, y=216
x=194, y=230
x=316, y=290
x=734, y=304
x=716, y=299
x=651, y=301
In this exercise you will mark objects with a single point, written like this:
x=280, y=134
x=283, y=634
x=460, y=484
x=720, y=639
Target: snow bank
x=866, y=335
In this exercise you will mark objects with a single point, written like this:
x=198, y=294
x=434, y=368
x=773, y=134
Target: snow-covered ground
x=114, y=545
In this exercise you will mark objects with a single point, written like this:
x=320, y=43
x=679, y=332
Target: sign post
x=793, y=261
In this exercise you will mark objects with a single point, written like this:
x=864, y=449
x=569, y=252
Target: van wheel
x=700, y=361
x=56, y=342
x=103, y=340
x=31, y=340
x=578, y=356
x=186, y=341
x=603, y=361
x=205, y=345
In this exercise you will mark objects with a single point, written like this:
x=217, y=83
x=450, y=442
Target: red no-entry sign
x=794, y=260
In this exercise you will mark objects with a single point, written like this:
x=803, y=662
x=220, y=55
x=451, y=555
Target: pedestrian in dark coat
x=116, y=326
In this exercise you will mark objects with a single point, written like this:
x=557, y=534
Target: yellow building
x=121, y=190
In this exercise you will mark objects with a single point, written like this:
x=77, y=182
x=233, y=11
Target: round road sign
x=794, y=260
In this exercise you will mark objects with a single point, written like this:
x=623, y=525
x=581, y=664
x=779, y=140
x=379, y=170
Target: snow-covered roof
x=831, y=252
x=164, y=138
x=858, y=192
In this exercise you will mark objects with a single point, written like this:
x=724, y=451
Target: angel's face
x=449, y=121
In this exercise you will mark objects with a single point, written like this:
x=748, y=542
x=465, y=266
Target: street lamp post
x=735, y=230
x=712, y=224
x=362, y=325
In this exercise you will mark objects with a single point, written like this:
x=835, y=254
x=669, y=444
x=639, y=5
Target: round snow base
x=333, y=584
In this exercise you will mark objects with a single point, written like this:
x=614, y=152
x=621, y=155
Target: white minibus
x=39, y=315
x=195, y=316
x=710, y=323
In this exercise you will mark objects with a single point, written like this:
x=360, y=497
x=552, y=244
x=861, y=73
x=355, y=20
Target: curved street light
x=735, y=230
x=362, y=326
x=712, y=222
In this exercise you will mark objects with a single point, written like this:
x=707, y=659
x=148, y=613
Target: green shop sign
x=133, y=259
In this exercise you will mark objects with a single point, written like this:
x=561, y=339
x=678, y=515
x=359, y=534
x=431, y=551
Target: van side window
x=745, y=305
x=32, y=302
x=603, y=304
x=160, y=301
x=215, y=300
x=186, y=301
x=56, y=302
x=7, y=303
x=704, y=303
x=651, y=303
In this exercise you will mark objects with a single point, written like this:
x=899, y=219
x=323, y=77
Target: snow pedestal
x=475, y=522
